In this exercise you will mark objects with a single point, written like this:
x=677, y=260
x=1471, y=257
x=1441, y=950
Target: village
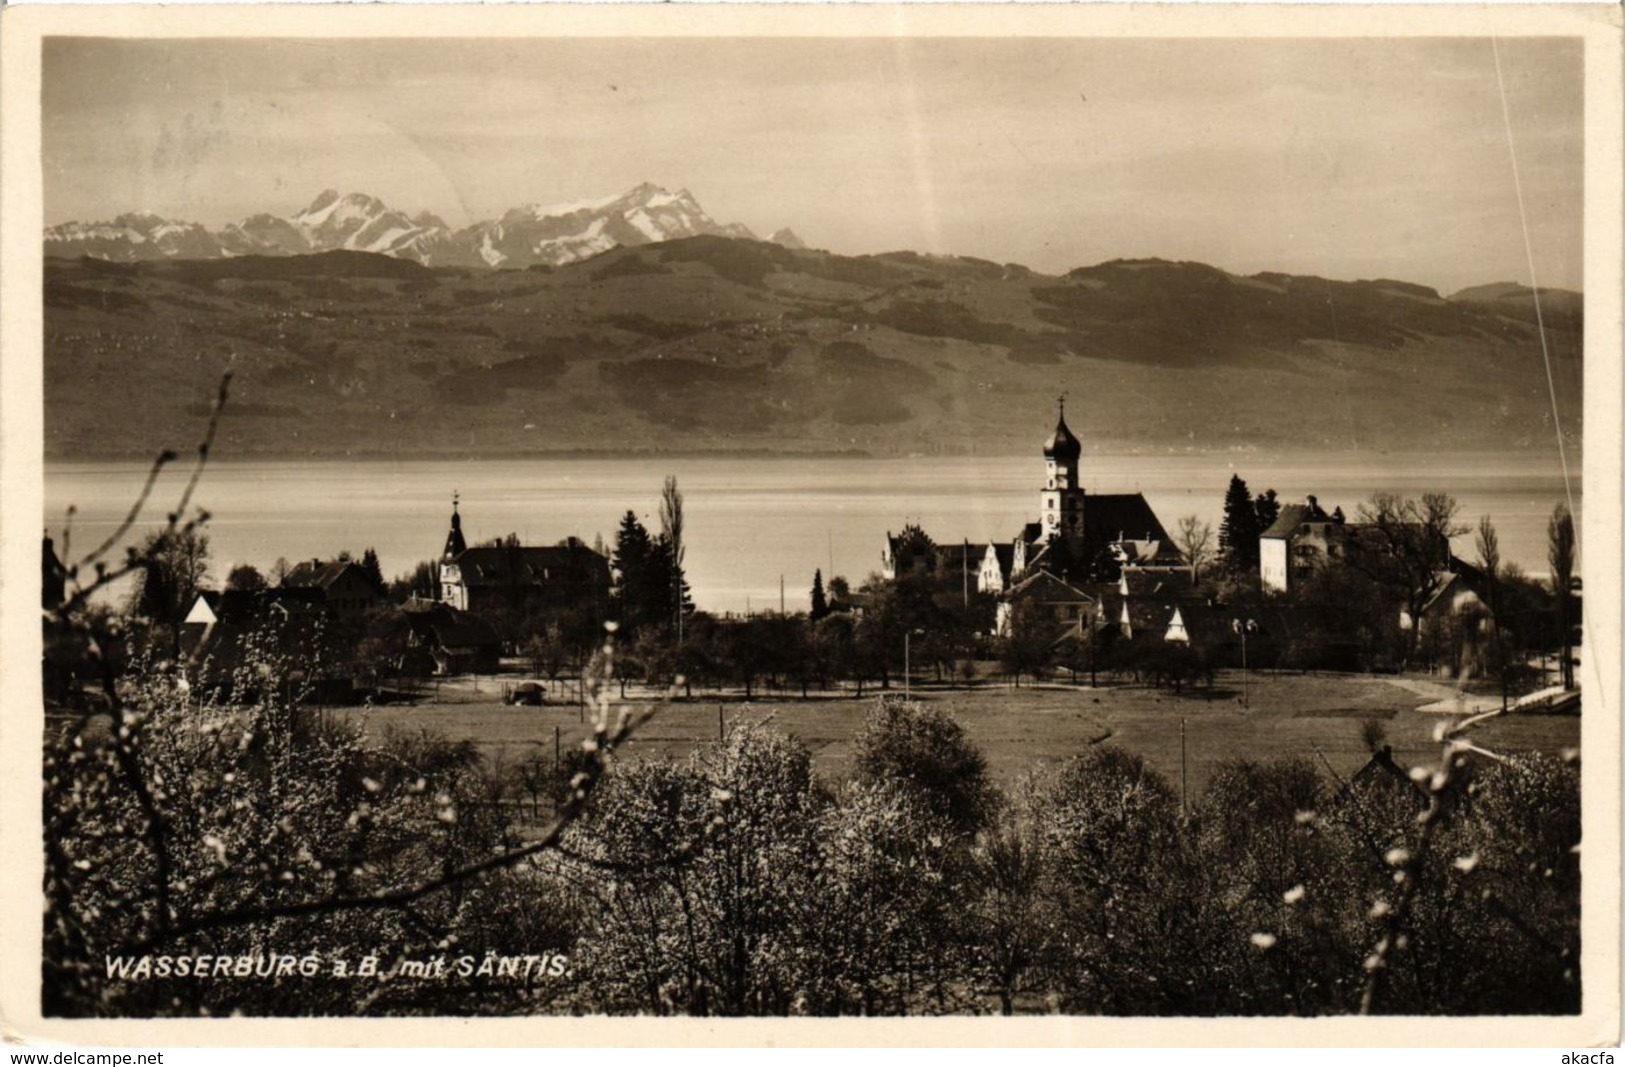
x=1096, y=770
x=1290, y=629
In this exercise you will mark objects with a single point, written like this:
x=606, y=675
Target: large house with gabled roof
x=506, y=577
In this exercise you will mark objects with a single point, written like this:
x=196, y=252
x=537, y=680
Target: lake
x=750, y=521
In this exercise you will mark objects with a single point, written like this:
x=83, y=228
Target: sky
x=1346, y=158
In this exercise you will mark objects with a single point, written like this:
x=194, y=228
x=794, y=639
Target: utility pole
x=1182, y=768
x=781, y=596
x=722, y=730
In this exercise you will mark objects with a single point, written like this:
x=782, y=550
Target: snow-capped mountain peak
x=787, y=238
x=550, y=233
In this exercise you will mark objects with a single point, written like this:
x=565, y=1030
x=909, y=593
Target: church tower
x=452, y=590
x=1061, y=503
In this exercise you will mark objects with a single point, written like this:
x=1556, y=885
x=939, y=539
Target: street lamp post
x=1244, y=627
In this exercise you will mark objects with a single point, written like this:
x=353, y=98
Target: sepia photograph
x=874, y=514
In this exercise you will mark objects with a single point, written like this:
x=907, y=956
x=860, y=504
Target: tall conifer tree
x=1238, y=534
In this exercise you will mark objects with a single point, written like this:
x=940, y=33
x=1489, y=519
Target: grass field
x=1021, y=729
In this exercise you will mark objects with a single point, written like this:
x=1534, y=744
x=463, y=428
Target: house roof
x=1156, y=584
x=1148, y=553
x=1144, y=616
x=451, y=629
x=1460, y=577
x=965, y=555
x=320, y=574
x=244, y=606
x=1292, y=516
x=1381, y=771
x=1047, y=588
x=503, y=565
x=292, y=623
x=1004, y=555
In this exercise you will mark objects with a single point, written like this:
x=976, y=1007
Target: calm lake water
x=749, y=521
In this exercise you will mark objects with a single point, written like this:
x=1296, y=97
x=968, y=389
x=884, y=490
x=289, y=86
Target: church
x=1080, y=537
x=1087, y=537
x=506, y=577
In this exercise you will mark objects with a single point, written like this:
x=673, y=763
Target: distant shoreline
x=1575, y=452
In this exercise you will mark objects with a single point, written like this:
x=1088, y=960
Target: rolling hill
x=712, y=342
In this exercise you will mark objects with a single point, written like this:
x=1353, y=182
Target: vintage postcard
x=811, y=525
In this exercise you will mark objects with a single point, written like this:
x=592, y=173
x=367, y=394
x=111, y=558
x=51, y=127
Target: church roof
x=504, y=565
x=1109, y=517
x=455, y=545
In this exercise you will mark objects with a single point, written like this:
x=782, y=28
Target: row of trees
x=740, y=883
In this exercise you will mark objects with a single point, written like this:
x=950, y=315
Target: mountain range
x=722, y=343
x=552, y=234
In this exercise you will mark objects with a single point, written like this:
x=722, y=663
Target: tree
x=1010, y=920
x=1238, y=533
x=280, y=569
x=1489, y=562
x=174, y=564
x=1267, y=508
x=820, y=605
x=1109, y=827
x=1346, y=620
x=1026, y=647
x=1524, y=608
x=1404, y=544
x=1196, y=541
x=650, y=592
x=375, y=573
x=633, y=551
x=1560, y=555
x=422, y=581
x=832, y=649
x=671, y=536
x=924, y=751
x=245, y=578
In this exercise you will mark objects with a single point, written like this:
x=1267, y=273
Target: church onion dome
x=1062, y=446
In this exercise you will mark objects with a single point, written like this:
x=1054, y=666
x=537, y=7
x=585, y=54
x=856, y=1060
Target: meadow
x=1319, y=717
